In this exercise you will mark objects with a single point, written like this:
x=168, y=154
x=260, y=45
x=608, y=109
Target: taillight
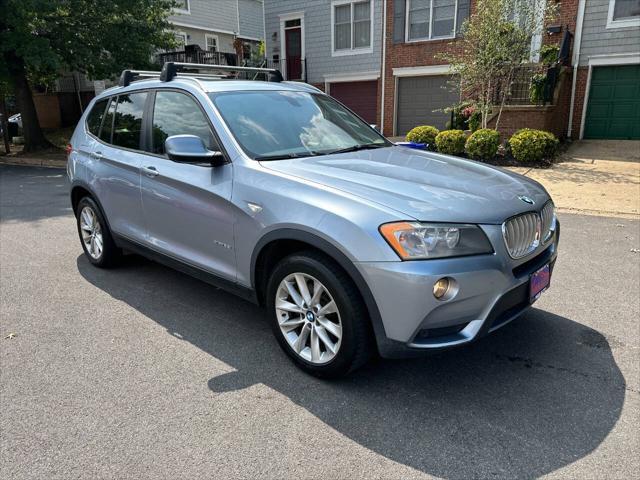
x=68, y=150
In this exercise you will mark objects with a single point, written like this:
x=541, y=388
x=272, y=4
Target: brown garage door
x=361, y=97
x=419, y=102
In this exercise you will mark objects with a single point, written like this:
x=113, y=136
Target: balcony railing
x=531, y=84
x=199, y=56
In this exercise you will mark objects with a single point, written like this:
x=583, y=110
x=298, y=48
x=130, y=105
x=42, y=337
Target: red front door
x=293, y=47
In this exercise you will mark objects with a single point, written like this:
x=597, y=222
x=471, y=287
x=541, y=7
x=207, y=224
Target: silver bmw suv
x=282, y=195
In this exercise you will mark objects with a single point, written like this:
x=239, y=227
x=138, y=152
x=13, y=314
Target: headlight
x=416, y=241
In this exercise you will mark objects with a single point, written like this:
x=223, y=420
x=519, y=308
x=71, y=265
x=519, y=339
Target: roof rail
x=128, y=76
x=171, y=70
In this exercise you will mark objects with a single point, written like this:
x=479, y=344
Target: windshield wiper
x=355, y=148
x=284, y=156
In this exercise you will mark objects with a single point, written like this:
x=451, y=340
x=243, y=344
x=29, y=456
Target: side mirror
x=191, y=149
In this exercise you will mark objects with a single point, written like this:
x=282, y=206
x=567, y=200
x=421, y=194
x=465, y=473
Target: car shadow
x=533, y=397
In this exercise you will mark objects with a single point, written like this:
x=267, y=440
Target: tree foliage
x=40, y=38
x=496, y=40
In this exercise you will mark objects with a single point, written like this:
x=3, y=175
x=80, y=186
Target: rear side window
x=94, y=119
x=127, y=125
x=107, y=124
x=175, y=113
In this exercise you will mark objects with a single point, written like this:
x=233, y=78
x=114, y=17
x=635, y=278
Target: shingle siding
x=211, y=15
x=222, y=16
x=317, y=32
x=251, y=19
x=597, y=39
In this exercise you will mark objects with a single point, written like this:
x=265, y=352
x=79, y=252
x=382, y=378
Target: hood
x=422, y=185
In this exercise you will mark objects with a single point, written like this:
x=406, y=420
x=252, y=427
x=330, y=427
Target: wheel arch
x=79, y=190
x=277, y=244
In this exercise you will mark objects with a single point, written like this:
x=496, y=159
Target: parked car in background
x=282, y=195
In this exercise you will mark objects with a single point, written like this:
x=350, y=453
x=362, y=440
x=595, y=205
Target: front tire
x=318, y=316
x=95, y=237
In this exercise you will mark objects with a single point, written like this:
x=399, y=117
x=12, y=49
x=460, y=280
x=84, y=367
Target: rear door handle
x=97, y=155
x=150, y=171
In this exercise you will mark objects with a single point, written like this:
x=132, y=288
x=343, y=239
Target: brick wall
x=426, y=54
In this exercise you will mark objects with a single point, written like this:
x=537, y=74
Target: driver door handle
x=151, y=171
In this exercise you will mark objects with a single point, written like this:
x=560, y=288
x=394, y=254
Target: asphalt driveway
x=142, y=372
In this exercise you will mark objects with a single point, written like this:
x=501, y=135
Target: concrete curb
x=33, y=162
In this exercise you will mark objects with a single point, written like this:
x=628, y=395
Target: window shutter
x=464, y=7
x=399, y=15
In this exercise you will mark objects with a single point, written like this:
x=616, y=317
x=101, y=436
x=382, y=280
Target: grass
x=60, y=136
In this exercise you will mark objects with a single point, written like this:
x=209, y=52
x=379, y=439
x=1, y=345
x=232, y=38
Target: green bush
x=424, y=134
x=451, y=142
x=474, y=120
x=483, y=144
x=532, y=146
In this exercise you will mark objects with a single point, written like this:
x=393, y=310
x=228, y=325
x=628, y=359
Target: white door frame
x=283, y=47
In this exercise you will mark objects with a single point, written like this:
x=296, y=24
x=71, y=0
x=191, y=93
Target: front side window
x=351, y=26
x=283, y=124
x=94, y=119
x=626, y=9
x=175, y=113
x=127, y=124
x=431, y=19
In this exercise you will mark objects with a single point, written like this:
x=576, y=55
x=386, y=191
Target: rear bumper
x=492, y=291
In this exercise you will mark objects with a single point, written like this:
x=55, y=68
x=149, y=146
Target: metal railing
x=199, y=56
x=291, y=70
x=530, y=84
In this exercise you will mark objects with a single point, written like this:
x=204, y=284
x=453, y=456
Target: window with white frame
x=431, y=19
x=211, y=42
x=351, y=25
x=623, y=12
x=183, y=6
x=181, y=40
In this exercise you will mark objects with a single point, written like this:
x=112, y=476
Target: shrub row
x=526, y=145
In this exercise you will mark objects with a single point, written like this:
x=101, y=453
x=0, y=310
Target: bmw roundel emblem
x=526, y=199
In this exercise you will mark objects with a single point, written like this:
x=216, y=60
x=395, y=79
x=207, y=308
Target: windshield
x=273, y=125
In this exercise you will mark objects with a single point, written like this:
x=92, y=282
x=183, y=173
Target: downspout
x=384, y=62
x=576, y=61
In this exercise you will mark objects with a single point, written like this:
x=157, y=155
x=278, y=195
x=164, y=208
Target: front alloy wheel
x=317, y=315
x=308, y=318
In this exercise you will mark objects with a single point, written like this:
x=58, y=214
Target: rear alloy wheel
x=308, y=318
x=97, y=243
x=318, y=316
x=91, y=233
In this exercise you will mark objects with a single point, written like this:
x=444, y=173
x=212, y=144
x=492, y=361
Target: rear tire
x=318, y=316
x=95, y=237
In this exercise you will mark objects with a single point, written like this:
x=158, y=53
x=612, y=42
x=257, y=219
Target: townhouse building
x=606, y=61
x=335, y=45
x=207, y=27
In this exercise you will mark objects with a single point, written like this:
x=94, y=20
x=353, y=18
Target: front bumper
x=492, y=290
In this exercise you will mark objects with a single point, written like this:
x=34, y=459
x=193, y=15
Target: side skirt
x=196, y=272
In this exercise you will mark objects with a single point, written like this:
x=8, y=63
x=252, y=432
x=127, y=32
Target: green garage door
x=614, y=103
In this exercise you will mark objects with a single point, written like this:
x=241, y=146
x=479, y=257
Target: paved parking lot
x=142, y=372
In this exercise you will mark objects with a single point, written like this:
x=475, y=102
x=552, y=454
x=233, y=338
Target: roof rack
x=171, y=70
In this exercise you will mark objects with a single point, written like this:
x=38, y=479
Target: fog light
x=440, y=288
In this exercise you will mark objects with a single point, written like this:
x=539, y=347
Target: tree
x=39, y=38
x=496, y=41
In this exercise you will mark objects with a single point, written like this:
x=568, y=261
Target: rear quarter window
x=94, y=119
x=127, y=126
